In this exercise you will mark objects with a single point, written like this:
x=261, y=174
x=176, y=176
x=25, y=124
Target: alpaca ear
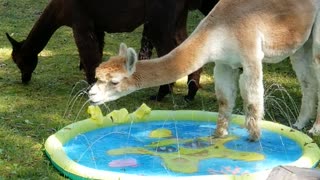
x=15, y=44
x=131, y=60
x=123, y=49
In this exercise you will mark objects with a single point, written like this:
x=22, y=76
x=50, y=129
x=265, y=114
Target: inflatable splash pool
x=175, y=145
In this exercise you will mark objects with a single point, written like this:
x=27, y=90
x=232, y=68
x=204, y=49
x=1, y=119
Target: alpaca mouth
x=95, y=103
x=98, y=100
x=94, y=100
x=25, y=78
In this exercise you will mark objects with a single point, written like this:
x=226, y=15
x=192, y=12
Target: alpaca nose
x=92, y=90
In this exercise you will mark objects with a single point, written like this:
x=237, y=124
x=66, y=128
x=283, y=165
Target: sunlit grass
x=46, y=53
x=205, y=79
x=5, y=53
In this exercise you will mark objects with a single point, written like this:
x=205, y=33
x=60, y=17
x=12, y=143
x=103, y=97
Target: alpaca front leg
x=251, y=89
x=89, y=41
x=89, y=52
x=315, y=130
x=226, y=91
x=302, y=62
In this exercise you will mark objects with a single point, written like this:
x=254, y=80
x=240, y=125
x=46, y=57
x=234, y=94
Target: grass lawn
x=31, y=113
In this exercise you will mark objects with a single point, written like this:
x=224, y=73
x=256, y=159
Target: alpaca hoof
x=315, y=130
x=156, y=98
x=254, y=136
x=298, y=125
x=188, y=98
x=220, y=133
x=192, y=90
x=160, y=96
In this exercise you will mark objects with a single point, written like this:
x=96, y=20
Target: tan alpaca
x=241, y=33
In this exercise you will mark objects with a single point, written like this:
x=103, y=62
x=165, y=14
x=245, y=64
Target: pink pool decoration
x=129, y=162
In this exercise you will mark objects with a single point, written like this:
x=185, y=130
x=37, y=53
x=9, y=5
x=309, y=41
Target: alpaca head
x=26, y=61
x=114, y=77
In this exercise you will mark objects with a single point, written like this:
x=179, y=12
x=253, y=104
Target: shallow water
x=92, y=149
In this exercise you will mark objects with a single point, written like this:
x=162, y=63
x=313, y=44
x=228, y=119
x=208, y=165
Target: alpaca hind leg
x=315, y=130
x=226, y=87
x=251, y=89
x=302, y=63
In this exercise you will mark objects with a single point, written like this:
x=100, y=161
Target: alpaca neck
x=180, y=62
x=42, y=31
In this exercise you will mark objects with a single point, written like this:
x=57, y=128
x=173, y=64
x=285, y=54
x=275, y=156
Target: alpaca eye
x=114, y=82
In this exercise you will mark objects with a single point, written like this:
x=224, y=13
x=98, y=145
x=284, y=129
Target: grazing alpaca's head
x=115, y=77
x=25, y=61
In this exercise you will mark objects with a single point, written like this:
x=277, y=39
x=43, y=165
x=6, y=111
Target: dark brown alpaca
x=181, y=34
x=89, y=21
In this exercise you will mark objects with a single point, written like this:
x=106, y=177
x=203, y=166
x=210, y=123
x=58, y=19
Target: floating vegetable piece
x=142, y=111
x=119, y=116
x=96, y=114
x=160, y=133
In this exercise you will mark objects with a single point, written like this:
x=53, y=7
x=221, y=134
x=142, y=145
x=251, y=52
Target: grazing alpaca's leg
x=89, y=43
x=193, y=84
x=193, y=78
x=179, y=36
x=316, y=65
x=163, y=47
x=146, y=45
x=147, y=41
x=90, y=55
x=163, y=39
x=226, y=87
x=100, y=38
x=301, y=63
